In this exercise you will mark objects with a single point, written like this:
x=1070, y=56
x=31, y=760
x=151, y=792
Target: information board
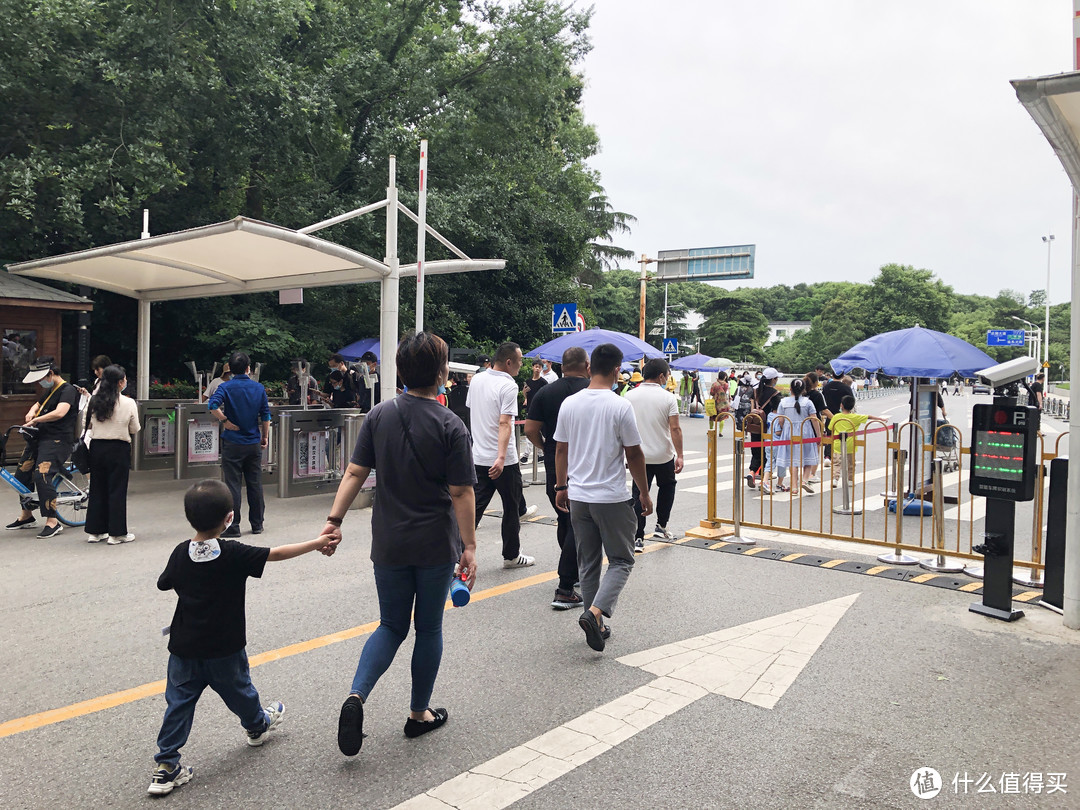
x=1005, y=337
x=704, y=264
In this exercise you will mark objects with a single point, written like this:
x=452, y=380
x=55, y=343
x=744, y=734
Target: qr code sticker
x=202, y=442
x=302, y=454
x=155, y=433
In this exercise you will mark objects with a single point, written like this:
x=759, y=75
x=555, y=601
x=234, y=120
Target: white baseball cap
x=770, y=373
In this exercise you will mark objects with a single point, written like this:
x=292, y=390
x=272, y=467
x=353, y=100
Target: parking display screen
x=1003, y=457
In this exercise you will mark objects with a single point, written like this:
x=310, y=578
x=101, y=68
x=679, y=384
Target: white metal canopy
x=246, y=256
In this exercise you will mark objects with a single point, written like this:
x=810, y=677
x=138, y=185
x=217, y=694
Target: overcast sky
x=837, y=136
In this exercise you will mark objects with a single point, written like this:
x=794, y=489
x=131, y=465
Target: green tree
x=734, y=327
x=901, y=297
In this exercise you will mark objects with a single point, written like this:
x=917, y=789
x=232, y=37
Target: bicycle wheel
x=72, y=495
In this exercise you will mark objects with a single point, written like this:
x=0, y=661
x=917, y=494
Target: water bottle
x=459, y=592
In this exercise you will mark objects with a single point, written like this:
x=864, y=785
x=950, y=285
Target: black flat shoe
x=416, y=728
x=594, y=633
x=350, y=726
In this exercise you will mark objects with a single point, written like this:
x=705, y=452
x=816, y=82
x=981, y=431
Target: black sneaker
x=257, y=529
x=639, y=545
x=564, y=600
x=21, y=523
x=165, y=780
x=50, y=531
x=231, y=533
x=417, y=728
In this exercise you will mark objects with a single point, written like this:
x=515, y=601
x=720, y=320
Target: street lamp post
x=1049, y=240
x=1036, y=335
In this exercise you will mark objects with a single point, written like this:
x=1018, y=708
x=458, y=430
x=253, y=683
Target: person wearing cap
x=635, y=380
x=766, y=400
x=53, y=417
x=369, y=382
x=226, y=375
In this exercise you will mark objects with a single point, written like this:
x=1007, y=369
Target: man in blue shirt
x=241, y=406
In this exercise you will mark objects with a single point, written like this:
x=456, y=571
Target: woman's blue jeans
x=405, y=590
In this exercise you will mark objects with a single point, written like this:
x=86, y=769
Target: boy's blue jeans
x=399, y=587
x=188, y=677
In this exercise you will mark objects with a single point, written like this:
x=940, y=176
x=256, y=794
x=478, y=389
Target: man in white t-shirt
x=549, y=374
x=493, y=404
x=657, y=415
x=596, y=439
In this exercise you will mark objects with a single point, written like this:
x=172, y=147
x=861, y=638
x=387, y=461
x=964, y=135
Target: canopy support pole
x=143, y=351
x=388, y=286
x=421, y=233
x=1071, y=597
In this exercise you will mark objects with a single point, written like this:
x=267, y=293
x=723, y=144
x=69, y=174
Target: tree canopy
x=287, y=112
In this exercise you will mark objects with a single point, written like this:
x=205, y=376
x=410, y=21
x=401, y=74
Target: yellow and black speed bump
x=914, y=574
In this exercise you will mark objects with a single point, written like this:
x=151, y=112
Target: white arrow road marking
x=754, y=662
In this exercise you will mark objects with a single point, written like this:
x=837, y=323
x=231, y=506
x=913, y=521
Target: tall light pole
x=1046, y=339
x=1036, y=335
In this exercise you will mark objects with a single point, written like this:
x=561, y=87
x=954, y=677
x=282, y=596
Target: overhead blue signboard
x=1005, y=337
x=705, y=264
x=564, y=318
x=671, y=346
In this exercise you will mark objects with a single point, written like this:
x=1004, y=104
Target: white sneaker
x=123, y=538
x=529, y=512
x=522, y=561
x=661, y=533
x=96, y=538
x=275, y=713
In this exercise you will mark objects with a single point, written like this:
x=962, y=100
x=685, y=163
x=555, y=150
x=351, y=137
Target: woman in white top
x=797, y=410
x=113, y=420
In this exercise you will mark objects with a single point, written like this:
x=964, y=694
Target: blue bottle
x=459, y=592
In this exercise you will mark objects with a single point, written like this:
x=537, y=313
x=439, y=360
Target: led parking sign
x=1003, y=446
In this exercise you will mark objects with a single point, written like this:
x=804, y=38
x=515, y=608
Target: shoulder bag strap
x=407, y=430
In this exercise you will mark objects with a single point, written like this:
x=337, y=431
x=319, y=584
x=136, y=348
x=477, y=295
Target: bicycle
x=72, y=487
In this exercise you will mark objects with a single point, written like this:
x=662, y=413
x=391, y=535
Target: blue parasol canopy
x=914, y=352
x=693, y=362
x=354, y=351
x=632, y=348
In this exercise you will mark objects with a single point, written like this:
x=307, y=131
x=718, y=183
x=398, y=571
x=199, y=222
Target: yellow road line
x=755, y=550
x=792, y=557
x=971, y=586
x=877, y=569
x=98, y=704
x=1027, y=596
x=833, y=563
x=923, y=577
x=720, y=544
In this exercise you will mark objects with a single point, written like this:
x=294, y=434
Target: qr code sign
x=202, y=442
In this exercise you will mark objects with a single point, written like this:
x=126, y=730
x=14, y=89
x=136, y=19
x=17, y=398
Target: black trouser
x=508, y=485
x=40, y=461
x=665, y=494
x=106, y=509
x=244, y=460
x=564, y=531
x=756, y=455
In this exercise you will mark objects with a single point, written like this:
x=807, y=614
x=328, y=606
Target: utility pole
x=645, y=262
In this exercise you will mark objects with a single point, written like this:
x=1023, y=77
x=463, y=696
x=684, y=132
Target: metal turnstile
x=155, y=446
x=198, y=442
x=314, y=449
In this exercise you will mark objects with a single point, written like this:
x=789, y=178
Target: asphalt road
x=905, y=679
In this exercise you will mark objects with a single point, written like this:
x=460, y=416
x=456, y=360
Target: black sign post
x=1003, y=467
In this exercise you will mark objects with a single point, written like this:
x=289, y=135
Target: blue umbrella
x=632, y=348
x=914, y=352
x=354, y=351
x=693, y=362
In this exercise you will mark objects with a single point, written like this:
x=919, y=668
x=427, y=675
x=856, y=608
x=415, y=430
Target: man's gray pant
x=603, y=528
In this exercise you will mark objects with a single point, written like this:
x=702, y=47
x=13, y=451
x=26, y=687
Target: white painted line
x=754, y=662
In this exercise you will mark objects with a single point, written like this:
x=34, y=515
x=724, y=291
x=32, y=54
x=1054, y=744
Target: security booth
x=31, y=317
x=314, y=447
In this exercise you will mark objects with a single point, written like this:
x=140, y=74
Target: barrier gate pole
x=939, y=563
x=847, y=508
x=736, y=500
x=711, y=471
x=897, y=557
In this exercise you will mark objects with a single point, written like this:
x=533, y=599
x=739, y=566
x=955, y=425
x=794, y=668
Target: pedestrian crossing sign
x=564, y=318
x=671, y=346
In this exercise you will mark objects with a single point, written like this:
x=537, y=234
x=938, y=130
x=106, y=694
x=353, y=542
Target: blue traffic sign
x=564, y=318
x=1005, y=337
x=671, y=346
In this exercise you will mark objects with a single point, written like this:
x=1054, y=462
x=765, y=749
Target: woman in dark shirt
x=813, y=393
x=421, y=525
x=766, y=398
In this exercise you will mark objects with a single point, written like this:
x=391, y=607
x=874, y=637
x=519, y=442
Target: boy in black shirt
x=207, y=634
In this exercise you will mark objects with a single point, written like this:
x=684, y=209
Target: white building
x=780, y=330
